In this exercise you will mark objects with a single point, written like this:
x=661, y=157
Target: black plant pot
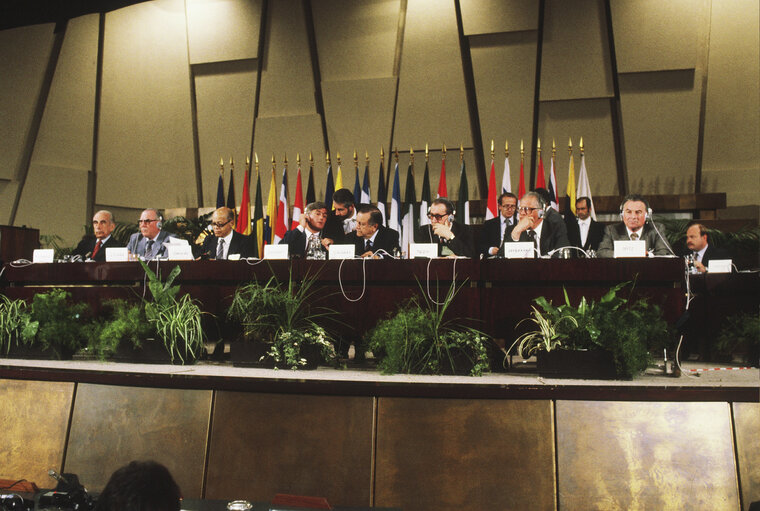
x=250, y=353
x=582, y=364
x=313, y=355
x=151, y=351
x=36, y=352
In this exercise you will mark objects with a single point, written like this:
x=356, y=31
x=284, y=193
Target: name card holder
x=719, y=266
x=179, y=252
x=43, y=255
x=519, y=250
x=630, y=248
x=423, y=250
x=346, y=251
x=117, y=254
x=276, y=251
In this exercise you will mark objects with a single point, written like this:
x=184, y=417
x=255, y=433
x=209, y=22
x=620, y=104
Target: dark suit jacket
x=137, y=244
x=385, y=239
x=490, y=235
x=334, y=229
x=594, y=238
x=295, y=239
x=618, y=232
x=463, y=243
x=712, y=252
x=553, y=234
x=87, y=245
x=240, y=244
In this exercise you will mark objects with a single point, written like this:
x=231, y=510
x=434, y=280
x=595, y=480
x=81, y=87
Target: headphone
x=160, y=222
x=449, y=207
x=637, y=198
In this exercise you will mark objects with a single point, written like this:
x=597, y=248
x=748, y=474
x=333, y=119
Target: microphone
x=58, y=477
x=648, y=219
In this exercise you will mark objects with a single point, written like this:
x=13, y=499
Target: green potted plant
x=124, y=334
x=418, y=339
x=278, y=325
x=739, y=339
x=51, y=327
x=609, y=338
x=16, y=325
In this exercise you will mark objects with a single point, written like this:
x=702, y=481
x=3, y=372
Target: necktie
x=367, y=245
x=634, y=236
x=149, y=250
x=95, y=250
x=220, y=248
x=532, y=236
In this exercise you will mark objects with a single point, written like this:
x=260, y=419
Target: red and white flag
x=281, y=227
x=297, y=202
x=491, y=206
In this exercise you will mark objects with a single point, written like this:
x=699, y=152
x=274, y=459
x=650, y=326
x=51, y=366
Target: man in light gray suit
x=149, y=242
x=636, y=217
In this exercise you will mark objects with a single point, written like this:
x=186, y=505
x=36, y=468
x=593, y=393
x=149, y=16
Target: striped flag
x=521, y=187
x=553, y=186
x=492, y=208
x=506, y=180
x=540, y=180
x=243, y=225
x=584, y=188
x=442, y=192
x=258, y=218
x=571, y=183
x=281, y=227
x=394, y=220
x=425, y=199
x=366, y=195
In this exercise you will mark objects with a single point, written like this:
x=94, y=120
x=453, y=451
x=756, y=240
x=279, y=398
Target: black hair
x=344, y=197
x=140, y=486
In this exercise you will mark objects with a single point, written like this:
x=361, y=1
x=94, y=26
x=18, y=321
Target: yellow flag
x=571, y=184
x=339, y=179
x=272, y=209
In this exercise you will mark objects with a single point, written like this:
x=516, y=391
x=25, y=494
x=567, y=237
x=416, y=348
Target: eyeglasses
x=220, y=224
x=433, y=216
x=526, y=210
x=147, y=221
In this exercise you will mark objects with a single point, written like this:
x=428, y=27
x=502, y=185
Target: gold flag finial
x=221, y=167
x=232, y=163
x=274, y=165
x=506, y=148
x=338, y=157
x=395, y=154
x=247, y=162
x=311, y=159
x=411, y=156
x=366, y=156
x=444, y=152
x=522, y=149
x=554, y=148
x=570, y=143
x=327, y=158
x=256, y=159
x=285, y=160
x=298, y=159
x=539, y=147
x=356, y=160
x=427, y=153
x=461, y=152
x=581, y=145
x=382, y=153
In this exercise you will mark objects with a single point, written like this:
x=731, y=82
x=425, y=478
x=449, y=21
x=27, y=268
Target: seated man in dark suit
x=453, y=238
x=635, y=215
x=492, y=233
x=94, y=249
x=225, y=241
x=371, y=235
x=585, y=233
x=149, y=242
x=546, y=231
x=341, y=220
x=697, y=243
x=311, y=228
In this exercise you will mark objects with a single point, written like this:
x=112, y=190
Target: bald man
x=225, y=242
x=94, y=248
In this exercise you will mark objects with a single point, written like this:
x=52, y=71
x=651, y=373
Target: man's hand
x=326, y=242
x=493, y=250
x=524, y=224
x=443, y=231
x=700, y=267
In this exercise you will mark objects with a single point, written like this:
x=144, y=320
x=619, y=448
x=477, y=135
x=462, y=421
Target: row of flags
x=403, y=216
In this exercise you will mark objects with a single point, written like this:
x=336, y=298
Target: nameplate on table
x=630, y=248
x=179, y=252
x=719, y=266
x=519, y=250
x=43, y=255
x=423, y=250
x=117, y=254
x=342, y=251
x=276, y=251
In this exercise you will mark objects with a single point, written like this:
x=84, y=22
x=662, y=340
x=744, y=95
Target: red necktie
x=95, y=250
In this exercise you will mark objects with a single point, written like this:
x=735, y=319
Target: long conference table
x=494, y=294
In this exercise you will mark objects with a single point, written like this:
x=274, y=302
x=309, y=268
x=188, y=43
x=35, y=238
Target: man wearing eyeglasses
x=546, y=236
x=453, y=238
x=492, y=233
x=149, y=242
x=225, y=241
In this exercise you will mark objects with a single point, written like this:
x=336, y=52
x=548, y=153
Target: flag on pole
x=584, y=188
x=283, y=222
x=463, y=209
x=243, y=225
x=394, y=221
x=410, y=204
x=521, y=187
x=231, y=191
x=492, y=208
x=366, y=195
x=506, y=180
x=338, y=179
x=382, y=194
x=297, y=201
x=271, y=218
x=357, y=186
x=258, y=217
x=571, y=180
x=425, y=199
x=442, y=192
x=540, y=180
x=329, y=188
x=220, y=186
x=553, y=186
x=311, y=195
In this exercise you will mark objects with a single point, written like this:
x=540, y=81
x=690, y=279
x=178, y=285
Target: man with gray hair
x=94, y=248
x=546, y=236
x=149, y=242
x=311, y=228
